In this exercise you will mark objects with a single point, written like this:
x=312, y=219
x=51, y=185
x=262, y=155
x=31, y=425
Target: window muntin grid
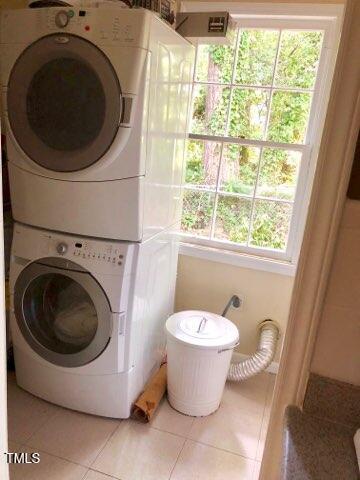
x=245, y=203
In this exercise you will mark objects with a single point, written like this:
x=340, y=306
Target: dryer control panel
x=103, y=26
x=104, y=253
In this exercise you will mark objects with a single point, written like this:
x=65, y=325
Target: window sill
x=238, y=259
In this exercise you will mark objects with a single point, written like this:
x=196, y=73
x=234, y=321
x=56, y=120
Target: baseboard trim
x=238, y=357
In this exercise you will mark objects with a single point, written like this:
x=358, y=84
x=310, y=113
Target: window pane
x=215, y=62
x=210, y=109
x=197, y=212
x=202, y=163
x=278, y=173
x=271, y=224
x=232, y=219
x=289, y=117
x=239, y=169
x=248, y=113
x=256, y=57
x=298, y=59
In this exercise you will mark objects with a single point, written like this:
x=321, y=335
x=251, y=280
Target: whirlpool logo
x=23, y=457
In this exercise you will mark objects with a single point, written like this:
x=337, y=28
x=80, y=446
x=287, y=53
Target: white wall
x=3, y=400
x=337, y=348
x=207, y=285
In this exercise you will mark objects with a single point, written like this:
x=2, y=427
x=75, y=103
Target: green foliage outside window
x=257, y=88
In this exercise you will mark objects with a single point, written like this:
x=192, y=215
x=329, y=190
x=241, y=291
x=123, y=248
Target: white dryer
x=96, y=106
x=88, y=315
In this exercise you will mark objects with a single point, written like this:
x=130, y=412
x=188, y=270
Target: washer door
x=64, y=102
x=64, y=315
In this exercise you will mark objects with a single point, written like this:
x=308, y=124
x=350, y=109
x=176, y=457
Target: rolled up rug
x=147, y=403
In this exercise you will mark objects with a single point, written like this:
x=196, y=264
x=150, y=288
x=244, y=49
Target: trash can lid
x=202, y=329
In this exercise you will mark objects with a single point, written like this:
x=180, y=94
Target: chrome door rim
x=98, y=297
x=31, y=60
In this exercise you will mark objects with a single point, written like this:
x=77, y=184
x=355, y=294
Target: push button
x=61, y=248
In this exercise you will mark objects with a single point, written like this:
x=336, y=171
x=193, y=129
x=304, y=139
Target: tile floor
x=76, y=446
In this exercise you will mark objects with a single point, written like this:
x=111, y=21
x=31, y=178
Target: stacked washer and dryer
x=95, y=103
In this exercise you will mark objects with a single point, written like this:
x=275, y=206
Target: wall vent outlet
x=204, y=27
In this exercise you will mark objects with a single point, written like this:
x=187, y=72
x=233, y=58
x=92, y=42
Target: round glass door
x=64, y=315
x=59, y=313
x=64, y=102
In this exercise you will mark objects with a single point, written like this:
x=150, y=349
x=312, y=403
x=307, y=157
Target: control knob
x=61, y=19
x=61, y=248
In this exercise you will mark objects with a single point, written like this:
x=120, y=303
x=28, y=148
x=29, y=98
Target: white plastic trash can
x=199, y=349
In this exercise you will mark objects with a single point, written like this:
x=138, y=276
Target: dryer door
x=64, y=102
x=63, y=314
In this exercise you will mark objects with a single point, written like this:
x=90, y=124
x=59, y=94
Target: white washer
x=87, y=316
x=96, y=107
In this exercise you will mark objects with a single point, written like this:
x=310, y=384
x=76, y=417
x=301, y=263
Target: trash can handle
x=202, y=325
x=229, y=348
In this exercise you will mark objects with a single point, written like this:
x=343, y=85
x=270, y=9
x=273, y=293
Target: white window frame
x=327, y=18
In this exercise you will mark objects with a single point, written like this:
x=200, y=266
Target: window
x=254, y=122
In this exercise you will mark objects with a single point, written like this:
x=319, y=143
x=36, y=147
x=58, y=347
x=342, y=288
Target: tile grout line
x=58, y=457
x=263, y=415
x=88, y=467
x=254, y=469
x=71, y=461
x=185, y=439
x=230, y=451
x=39, y=427
x=101, y=450
x=204, y=443
x=111, y=477
x=176, y=435
x=221, y=449
x=150, y=427
x=177, y=458
x=35, y=398
x=105, y=443
x=92, y=469
x=172, y=433
x=253, y=460
x=136, y=423
x=87, y=471
x=79, y=465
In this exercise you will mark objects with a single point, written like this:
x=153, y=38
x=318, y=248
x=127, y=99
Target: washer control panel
x=102, y=256
x=109, y=253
